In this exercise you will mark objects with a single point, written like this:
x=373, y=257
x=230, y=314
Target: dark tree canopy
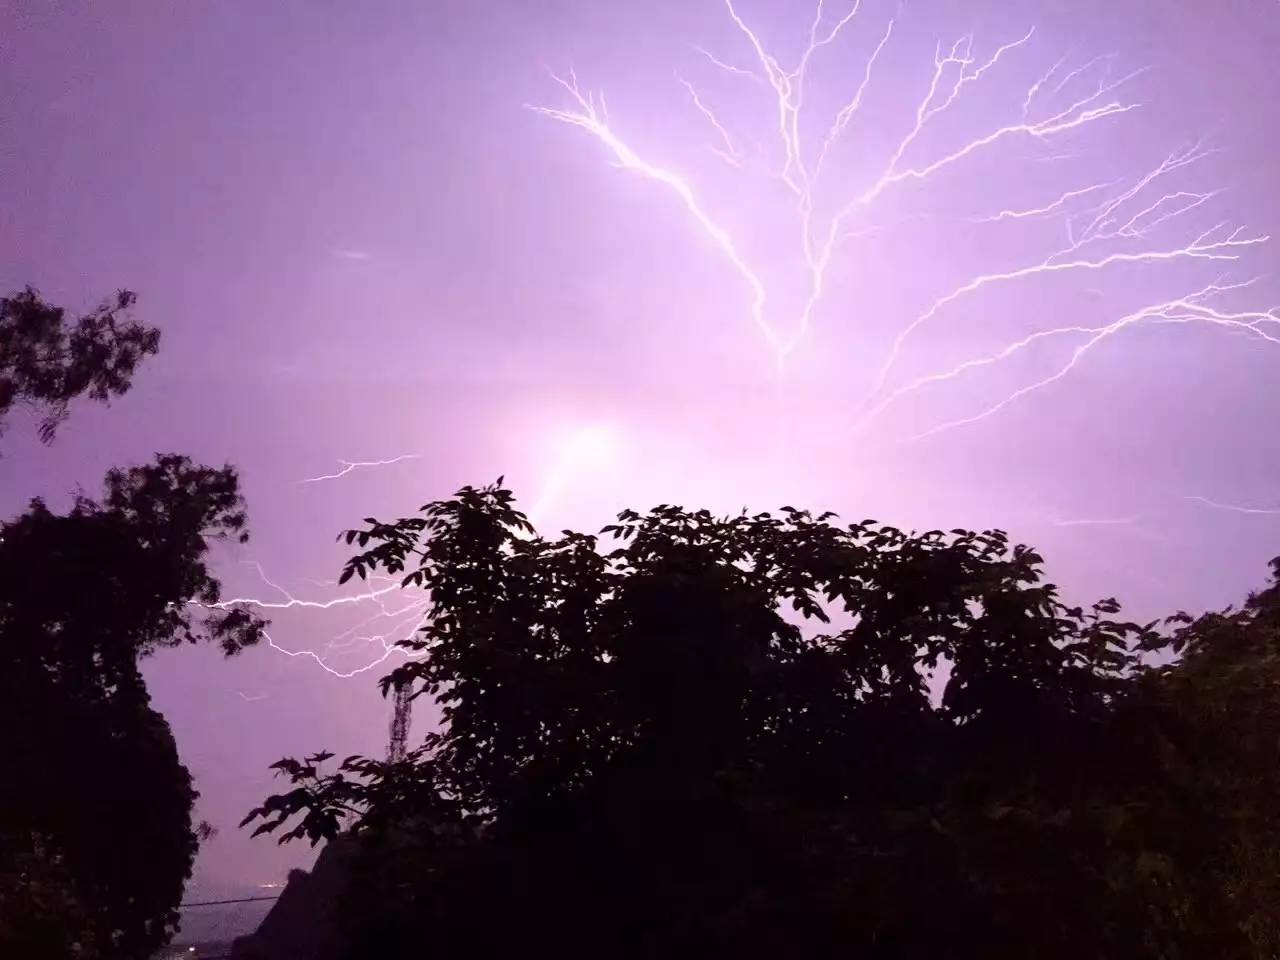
x=775, y=735
x=1219, y=703
x=46, y=361
x=96, y=836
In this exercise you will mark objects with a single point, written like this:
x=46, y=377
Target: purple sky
x=361, y=245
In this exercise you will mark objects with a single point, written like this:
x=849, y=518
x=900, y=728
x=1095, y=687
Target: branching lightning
x=388, y=614
x=1110, y=225
x=590, y=114
x=1190, y=308
x=380, y=631
x=727, y=150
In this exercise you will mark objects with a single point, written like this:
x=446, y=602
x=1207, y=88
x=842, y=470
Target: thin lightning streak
x=1174, y=161
x=1035, y=87
x=1096, y=230
x=1057, y=124
x=1130, y=228
x=964, y=77
x=726, y=67
x=1087, y=65
x=389, y=649
x=730, y=152
x=1048, y=208
x=388, y=642
x=349, y=465
x=293, y=603
x=1234, y=508
x=1098, y=522
x=349, y=639
x=1198, y=249
x=588, y=118
x=788, y=85
x=401, y=621
x=926, y=111
x=1189, y=309
x=850, y=109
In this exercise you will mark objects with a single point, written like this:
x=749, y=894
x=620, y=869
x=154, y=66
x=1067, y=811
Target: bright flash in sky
x=945, y=262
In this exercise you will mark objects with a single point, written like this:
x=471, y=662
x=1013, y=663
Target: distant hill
x=218, y=923
x=301, y=923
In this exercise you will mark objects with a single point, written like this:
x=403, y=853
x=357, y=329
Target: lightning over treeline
x=1158, y=224
x=1137, y=220
x=387, y=616
x=371, y=623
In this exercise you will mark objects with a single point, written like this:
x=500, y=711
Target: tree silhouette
x=96, y=835
x=773, y=735
x=1218, y=707
x=46, y=362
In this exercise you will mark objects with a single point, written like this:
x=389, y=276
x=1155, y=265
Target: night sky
x=361, y=245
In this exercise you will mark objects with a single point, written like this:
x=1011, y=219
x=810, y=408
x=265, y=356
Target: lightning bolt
x=729, y=153
x=1236, y=508
x=1198, y=249
x=347, y=466
x=1098, y=521
x=388, y=615
x=397, y=624
x=952, y=73
x=590, y=115
x=1135, y=518
x=1121, y=231
x=1191, y=308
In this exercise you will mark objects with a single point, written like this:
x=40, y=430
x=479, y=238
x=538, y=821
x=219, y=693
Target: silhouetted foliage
x=1219, y=710
x=773, y=735
x=46, y=361
x=96, y=834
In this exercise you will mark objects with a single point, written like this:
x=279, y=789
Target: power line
x=215, y=903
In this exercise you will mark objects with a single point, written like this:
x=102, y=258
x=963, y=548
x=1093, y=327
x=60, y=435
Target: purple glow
x=380, y=277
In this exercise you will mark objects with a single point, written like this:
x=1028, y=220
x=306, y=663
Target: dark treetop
x=780, y=736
